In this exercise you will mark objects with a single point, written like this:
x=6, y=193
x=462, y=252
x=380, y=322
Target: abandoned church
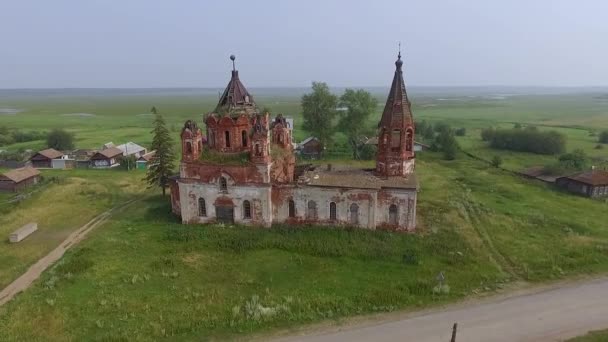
x=244, y=170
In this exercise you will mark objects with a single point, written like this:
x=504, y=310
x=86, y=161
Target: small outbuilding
x=19, y=179
x=143, y=161
x=592, y=183
x=44, y=159
x=108, y=158
x=310, y=147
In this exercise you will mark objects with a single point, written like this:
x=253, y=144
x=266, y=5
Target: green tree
x=359, y=105
x=496, y=161
x=60, y=139
x=319, y=112
x=603, y=137
x=446, y=143
x=575, y=160
x=161, y=165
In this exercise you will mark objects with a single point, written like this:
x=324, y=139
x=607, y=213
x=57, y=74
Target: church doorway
x=225, y=214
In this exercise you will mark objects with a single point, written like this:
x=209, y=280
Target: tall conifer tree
x=161, y=165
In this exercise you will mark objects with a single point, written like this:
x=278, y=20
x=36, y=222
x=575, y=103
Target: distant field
x=97, y=117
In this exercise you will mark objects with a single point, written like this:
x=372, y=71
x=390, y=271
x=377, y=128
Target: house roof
x=397, y=111
x=109, y=152
x=346, y=177
x=50, y=153
x=130, y=148
x=19, y=175
x=147, y=157
x=593, y=177
x=307, y=140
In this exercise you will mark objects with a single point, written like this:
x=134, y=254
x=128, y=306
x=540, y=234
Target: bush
x=446, y=143
x=487, y=133
x=576, y=160
x=496, y=161
x=368, y=152
x=60, y=139
x=461, y=132
x=603, y=137
x=599, y=146
x=517, y=126
x=529, y=139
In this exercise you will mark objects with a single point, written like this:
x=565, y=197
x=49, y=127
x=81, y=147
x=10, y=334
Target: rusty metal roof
x=397, y=111
x=235, y=96
x=19, y=175
x=593, y=177
x=345, y=177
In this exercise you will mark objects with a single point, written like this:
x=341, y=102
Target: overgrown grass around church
x=144, y=276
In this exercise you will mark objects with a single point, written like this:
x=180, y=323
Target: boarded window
x=225, y=214
x=393, y=215
x=292, y=208
x=311, y=214
x=246, y=210
x=227, y=137
x=244, y=138
x=223, y=184
x=332, y=211
x=354, y=213
x=202, y=208
x=396, y=140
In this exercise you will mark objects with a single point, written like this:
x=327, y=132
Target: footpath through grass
x=61, y=204
x=144, y=276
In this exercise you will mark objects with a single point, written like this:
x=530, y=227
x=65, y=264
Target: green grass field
x=594, y=336
x=144, y=276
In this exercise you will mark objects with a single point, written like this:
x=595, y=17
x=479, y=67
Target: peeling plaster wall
x=405, y=200
x=258, y=196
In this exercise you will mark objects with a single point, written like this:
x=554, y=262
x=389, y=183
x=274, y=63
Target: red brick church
x=244, y=170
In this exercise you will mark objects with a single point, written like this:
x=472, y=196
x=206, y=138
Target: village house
x=592, y=183
x=144, y=161
x=310, y=148
x=246, y=172
x=19, y=179
x=107, y=158
x=44, y=159
x=132, y=149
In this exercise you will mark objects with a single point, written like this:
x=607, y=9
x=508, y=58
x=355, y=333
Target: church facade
x=244, y=170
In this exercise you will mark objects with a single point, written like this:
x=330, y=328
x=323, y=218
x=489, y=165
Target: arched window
x=246, y=210
x=227, y=137
x=244, y=138
x=258, y=149
x=312, y=210
x=292, y=208
x=200, y=145
x=202, y=208
x=223, y=184
x=280, y=138
x=354, y=213
x=332, y=211
x=188, y=147
x=393, y=215
x=395, y=140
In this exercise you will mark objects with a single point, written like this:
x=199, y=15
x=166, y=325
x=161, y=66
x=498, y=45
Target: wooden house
x=592, y=183
x=44, y=158
x=18, y=179
x=110, y=157
x=310, y=147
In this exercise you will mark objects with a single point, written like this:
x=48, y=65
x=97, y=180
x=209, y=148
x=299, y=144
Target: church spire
x=395, y=156
x=235, y=98
x=397, y=109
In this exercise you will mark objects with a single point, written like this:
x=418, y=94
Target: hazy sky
x=153, y=43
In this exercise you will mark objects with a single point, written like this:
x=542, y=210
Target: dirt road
x=26, y=279
x=548, y=315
